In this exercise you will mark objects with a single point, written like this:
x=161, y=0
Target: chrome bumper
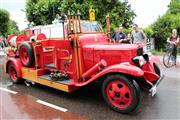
x=153, y=89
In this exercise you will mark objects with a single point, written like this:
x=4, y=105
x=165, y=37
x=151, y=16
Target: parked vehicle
x=77, y=53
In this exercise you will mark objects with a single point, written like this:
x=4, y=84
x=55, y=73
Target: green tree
x=7, y=26
x=163, y=26
x=13, y=28
x=4, y=22
x=43, y=11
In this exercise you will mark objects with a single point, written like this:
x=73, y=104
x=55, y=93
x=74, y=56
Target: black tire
x=131, y=85
x=13, y=74
x=167, y=60
x=27, y=60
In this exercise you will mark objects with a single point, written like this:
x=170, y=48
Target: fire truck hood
x=118, y=46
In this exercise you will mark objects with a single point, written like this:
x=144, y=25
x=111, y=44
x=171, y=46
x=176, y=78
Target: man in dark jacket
x=120, y=35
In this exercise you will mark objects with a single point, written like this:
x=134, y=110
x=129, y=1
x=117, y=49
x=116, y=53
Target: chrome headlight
x=139, y=60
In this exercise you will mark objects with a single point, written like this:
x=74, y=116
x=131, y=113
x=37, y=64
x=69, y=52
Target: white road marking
x=52, y=106
x=10, y=91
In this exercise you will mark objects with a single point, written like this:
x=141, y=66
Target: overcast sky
x=147, y=11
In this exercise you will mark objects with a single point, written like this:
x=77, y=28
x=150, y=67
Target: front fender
x=125, y=68
x=17, y=63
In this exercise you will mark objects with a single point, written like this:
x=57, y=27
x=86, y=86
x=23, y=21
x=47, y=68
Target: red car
x=72, y=54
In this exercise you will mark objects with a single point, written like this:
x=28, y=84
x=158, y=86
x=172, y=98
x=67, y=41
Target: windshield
x=91, y=26
x=56, y=30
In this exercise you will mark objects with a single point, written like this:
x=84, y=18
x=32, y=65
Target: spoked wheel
x=121, y=94
x=168, y=60
x=26, y=54
x=13, y=74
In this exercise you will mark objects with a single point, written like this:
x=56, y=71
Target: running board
x=65, y=82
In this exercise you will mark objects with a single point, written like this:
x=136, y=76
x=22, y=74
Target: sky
x=147, y=11
x=14, y=7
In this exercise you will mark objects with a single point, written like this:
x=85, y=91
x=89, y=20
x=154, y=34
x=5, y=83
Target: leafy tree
x=7, y=26
x=13, y=28
x=43, y=11
x=163, y=26
x=4, y=21
x=148, y=31
x=174, y=7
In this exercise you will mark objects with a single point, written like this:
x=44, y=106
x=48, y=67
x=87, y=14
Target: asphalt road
x=87, y=102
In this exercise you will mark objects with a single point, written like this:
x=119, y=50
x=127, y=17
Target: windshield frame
x=88, y=25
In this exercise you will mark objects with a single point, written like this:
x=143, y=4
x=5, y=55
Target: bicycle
x=169, y=60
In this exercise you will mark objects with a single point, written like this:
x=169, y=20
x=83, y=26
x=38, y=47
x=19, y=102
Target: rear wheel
x=121, y=94
x=13, y=74
x=168, y=60
x=26, y=54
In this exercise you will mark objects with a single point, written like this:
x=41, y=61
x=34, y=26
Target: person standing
x=56, y=20
x=120, y=35
x=174, y=41
x=138, y=36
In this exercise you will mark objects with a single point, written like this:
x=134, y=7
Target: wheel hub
x=119, y=94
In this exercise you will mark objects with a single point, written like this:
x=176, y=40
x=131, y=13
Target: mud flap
x=153, y=89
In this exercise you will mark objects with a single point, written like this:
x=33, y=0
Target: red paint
x=29, y=36
x=9, y=38
x=41, y=36
x=119, y=94
x=86, y=57
x=24, y=55
x=149, y=72
x=94, y=48
x=21, y=38
x=12, y=73
x=17, y=63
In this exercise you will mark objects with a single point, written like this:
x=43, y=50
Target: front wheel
x=168, y=60
x=121, y=94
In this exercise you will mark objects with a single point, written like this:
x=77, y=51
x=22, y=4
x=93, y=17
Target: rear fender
x=17, y=64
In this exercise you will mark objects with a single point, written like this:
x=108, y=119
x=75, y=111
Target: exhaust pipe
x=96, y=68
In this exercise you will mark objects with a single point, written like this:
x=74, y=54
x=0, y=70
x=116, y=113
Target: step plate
x=46, y=77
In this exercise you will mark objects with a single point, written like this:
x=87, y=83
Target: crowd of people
x=59, y=18
x=137, y=36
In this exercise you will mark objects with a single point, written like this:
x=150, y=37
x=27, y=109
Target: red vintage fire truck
x=74, y=53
